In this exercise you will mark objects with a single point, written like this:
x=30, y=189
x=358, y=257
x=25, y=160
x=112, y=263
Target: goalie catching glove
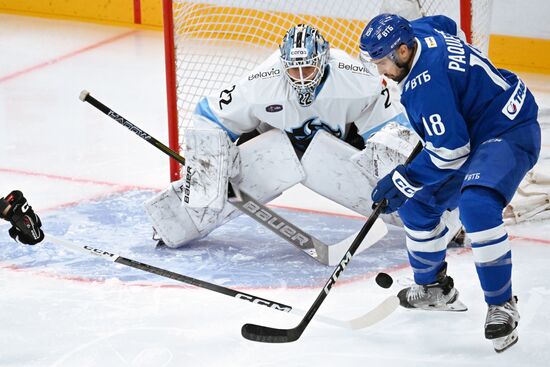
x=396, y=188
x=26, y=225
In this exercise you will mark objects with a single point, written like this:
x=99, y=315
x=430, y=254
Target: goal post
x=209, y=43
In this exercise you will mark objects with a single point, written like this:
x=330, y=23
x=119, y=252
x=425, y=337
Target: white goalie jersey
x=319, y=143
x=264, y=98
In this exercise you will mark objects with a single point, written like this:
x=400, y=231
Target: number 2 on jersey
x=386, y=92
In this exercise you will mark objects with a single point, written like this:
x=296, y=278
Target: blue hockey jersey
x=456, y=99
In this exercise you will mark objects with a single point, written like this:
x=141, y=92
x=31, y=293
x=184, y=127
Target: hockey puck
x=384, y=280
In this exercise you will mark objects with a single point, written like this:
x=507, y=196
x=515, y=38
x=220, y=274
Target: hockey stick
x=358, y=323
x=328, y=255
x=268, y=334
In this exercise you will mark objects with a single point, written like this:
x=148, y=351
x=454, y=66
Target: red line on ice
x=73, y=179
x=123, y=188
x=66, y=56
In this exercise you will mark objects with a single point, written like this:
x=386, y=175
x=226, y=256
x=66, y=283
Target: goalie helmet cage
x=209, y=43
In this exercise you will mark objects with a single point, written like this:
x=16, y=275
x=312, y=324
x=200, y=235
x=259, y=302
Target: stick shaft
x=169, y=274
x=354, y=324
x=273, y=335
x=244, y=202
x=86, y=97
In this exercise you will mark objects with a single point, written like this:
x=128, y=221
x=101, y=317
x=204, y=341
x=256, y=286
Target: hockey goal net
x=209, y=43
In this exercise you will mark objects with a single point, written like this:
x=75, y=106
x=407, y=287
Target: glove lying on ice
x=25, y=223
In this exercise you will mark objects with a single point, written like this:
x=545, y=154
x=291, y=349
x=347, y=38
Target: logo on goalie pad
x=186, y=189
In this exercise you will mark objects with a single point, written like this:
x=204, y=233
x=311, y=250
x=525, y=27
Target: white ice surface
x=60, y=151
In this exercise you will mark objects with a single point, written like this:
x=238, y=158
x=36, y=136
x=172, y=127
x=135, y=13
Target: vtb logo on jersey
x=225, y=97
x=302, y=136
x=515, y=102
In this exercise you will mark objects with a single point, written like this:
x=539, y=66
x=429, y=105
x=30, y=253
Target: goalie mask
x=304, y=55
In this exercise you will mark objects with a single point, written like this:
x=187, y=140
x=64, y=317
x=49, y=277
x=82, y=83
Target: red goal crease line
x=123, y=187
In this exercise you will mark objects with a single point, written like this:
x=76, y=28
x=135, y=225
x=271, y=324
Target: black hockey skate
x=438, y=296
x=501, y=323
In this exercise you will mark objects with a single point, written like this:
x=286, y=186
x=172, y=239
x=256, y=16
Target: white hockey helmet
x=304, y=55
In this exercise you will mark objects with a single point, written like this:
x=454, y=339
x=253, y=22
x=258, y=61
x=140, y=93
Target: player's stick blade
x=265, y=334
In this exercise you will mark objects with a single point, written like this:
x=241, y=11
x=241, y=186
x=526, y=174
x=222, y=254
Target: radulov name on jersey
x=265, y=74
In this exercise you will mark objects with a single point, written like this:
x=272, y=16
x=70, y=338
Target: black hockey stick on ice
x=268, y=334
x=328, y=255
x=358, y=323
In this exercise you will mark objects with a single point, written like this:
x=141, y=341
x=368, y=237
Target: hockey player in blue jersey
x=481, y=136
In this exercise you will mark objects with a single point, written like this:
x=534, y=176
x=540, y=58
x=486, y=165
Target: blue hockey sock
x=481, y=214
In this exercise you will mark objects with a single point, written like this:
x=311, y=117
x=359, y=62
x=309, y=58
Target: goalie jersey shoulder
x=264, y=95
x=346, y=79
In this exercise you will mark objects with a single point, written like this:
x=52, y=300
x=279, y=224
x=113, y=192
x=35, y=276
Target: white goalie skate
x=501, y=325
x=438, y=296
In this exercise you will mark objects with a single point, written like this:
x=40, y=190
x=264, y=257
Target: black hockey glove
x=25, y=223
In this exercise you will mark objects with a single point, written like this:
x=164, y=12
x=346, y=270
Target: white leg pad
x=170, y=219
x=211, y=160
x=331, y=173
x=269, y=166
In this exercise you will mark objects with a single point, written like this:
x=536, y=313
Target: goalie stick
x=326, y=254
x=268, y=334
x=360, y=322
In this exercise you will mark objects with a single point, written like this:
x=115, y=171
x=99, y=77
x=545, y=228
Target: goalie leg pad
x=331, y=173
x=171, y=221
x=211, y=159
x=269, y=166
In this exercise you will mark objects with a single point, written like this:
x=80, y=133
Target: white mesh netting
x=217, y=41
